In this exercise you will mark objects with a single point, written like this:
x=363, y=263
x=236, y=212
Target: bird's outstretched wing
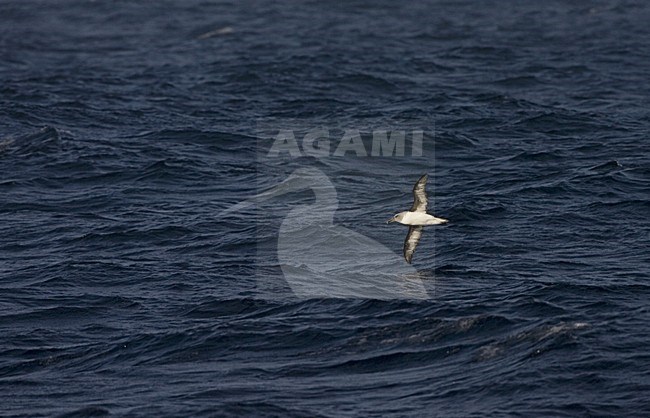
x=411, y=241
x=420, y=195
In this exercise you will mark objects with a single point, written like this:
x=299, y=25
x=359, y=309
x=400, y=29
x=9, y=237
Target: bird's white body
x=420, y=219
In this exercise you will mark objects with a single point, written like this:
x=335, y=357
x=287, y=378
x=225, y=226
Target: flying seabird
x=416, y=218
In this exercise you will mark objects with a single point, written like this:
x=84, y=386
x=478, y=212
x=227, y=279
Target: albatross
x=416, y=218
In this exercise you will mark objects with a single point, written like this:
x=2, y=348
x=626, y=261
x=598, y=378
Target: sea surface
x=157, y=259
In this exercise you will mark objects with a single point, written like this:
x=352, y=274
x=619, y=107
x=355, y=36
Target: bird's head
x=397, y=218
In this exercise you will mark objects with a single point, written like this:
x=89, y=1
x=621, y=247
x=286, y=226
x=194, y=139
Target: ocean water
x=157, y=260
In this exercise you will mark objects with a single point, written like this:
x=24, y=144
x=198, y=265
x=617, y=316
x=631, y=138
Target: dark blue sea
x=193, y=216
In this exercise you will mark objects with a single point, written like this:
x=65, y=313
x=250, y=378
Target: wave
x=47, y=140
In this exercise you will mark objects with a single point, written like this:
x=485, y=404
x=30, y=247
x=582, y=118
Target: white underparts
x=421, y=219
